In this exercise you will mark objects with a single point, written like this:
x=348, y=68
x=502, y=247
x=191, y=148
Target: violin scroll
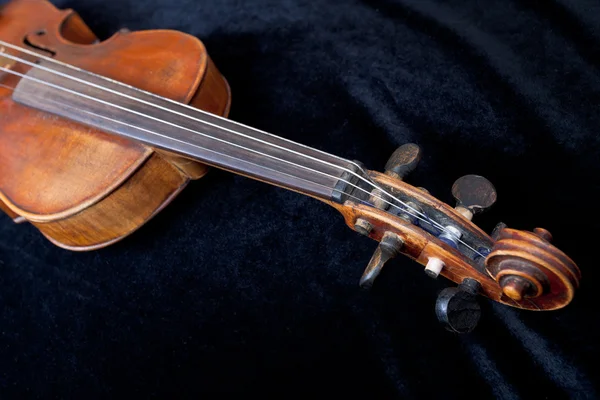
x=529, y=269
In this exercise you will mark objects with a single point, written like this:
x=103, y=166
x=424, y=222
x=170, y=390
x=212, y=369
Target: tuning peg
x=403, y=161
x=473, y=194
x=388, y=248
x=457, y=307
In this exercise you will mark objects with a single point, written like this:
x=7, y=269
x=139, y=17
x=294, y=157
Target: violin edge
x=213, y=94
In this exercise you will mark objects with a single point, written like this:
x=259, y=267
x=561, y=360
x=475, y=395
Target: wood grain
x=54, y=169
x=419, y=245
x=156, y=122
x=529, y=269
x=117, y=215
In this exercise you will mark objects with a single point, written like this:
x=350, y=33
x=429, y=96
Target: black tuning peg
x=388, y=248
x=457, y=307
x=473, y=194
x=403, y=161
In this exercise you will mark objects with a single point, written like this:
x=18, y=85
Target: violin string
x=364, y=177
x=210, y=150
x=368, y=180
x=184, y=105
x=426, y=220
x=34, y=65
x=185, y=142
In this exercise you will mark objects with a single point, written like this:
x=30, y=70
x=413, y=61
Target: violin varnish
x=113, y=218
x=84, y=188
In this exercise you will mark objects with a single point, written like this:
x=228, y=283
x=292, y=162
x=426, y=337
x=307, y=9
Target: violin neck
x=180, y=129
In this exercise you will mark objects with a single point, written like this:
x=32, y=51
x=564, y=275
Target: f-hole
x=29, y=43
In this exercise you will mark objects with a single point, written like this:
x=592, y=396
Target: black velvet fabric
x=239, y=288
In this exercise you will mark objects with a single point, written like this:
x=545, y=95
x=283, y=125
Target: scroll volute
x=531, y=271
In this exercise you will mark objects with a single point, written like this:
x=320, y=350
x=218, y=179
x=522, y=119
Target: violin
x=97, y=137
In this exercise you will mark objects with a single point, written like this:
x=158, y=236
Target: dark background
x=238, y=287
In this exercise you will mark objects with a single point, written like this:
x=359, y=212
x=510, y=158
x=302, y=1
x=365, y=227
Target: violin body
x=81, y=187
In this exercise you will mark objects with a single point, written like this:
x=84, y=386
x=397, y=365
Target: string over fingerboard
x=5, y=62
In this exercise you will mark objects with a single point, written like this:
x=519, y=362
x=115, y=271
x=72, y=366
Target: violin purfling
x=97, y=137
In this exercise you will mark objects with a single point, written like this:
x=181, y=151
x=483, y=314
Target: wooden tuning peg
x=473, y=194
x=457, y=307
x=403, y=161
x=388, y=248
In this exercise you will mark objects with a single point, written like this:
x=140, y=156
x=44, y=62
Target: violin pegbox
x=516, y=268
